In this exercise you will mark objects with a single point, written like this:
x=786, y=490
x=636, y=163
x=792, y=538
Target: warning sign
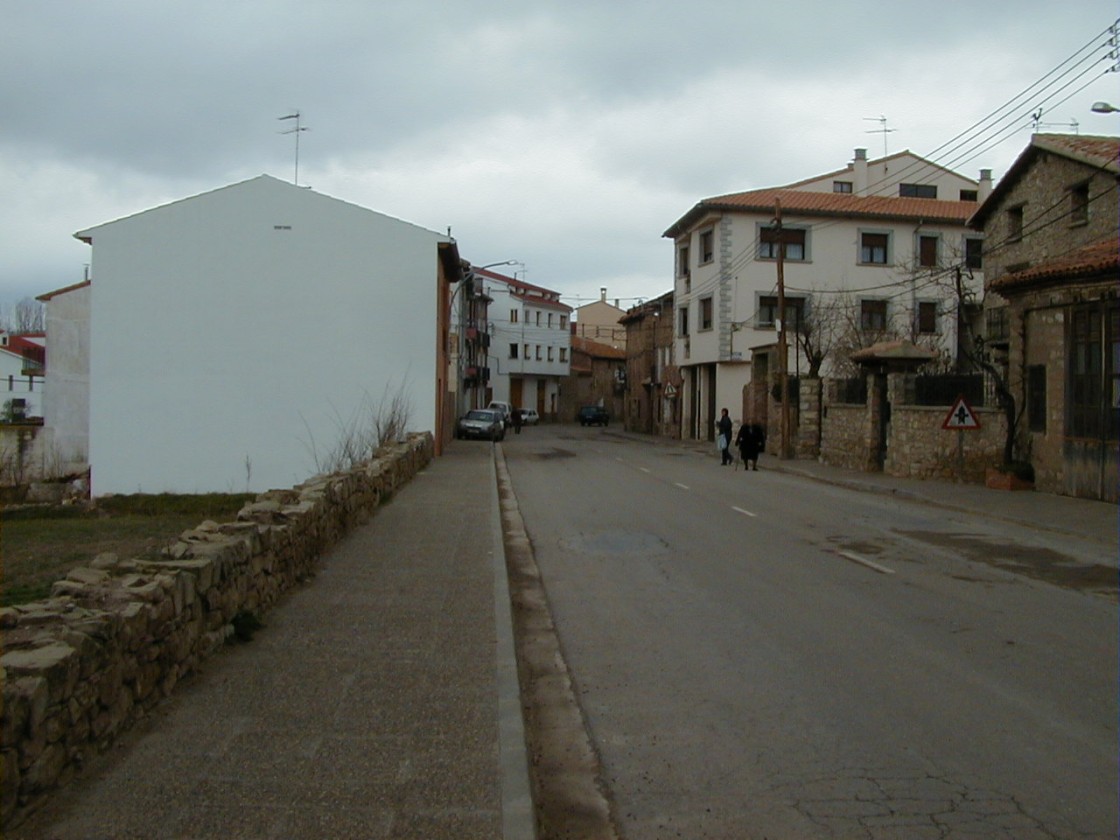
x=961, y=417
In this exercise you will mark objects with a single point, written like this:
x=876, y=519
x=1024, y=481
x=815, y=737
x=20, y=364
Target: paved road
x=762, y=656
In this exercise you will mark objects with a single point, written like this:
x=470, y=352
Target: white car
x=505, y=408
x=529, y=417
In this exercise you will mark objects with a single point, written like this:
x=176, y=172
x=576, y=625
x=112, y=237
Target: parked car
x=484, y=423
x=505, y=408
x=594, y=415
x=529, y=417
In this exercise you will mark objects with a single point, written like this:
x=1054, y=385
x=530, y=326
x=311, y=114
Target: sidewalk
x=1083, y=518
x=380, y=701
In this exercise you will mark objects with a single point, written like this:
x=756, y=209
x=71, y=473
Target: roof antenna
x=295, y=131
x=881, y=130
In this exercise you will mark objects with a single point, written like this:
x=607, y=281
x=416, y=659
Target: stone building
x=1051, y=310
x=598, y=377
x=652, y=405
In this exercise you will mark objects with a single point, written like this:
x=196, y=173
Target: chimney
x=859, y=168
x=602, y=294
x=616, y=303
x=985, y=184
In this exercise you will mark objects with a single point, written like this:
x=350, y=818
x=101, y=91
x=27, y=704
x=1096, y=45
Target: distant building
x=598, y=321
x=530, y=342
x=652, y=383
x=598, y=377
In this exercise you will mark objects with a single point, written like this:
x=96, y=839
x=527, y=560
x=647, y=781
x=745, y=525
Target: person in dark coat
x=516, y=421
x=723, y=426
x=751, y=441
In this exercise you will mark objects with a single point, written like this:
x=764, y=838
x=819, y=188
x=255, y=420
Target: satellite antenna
x=881, y=130
x=295, y=131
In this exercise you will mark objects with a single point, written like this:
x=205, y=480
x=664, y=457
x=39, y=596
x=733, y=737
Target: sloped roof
x=536, y=295
x=596, y=349
x=850, y=168
x=827, y=204
x=1098, y=258
x=259, y=182
x=1096, y=151
x=53, y=294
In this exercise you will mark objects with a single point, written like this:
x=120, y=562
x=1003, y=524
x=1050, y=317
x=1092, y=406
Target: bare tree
x=370, y=427
x=26, y=316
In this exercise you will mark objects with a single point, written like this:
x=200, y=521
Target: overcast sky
x=566, y=135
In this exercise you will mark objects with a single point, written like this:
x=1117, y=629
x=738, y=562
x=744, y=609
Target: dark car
x=484, y=423
x=594, y=415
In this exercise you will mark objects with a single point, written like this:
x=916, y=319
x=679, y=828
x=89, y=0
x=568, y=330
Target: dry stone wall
x=115, y=638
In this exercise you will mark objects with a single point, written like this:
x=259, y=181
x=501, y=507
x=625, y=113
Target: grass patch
x=39, y=545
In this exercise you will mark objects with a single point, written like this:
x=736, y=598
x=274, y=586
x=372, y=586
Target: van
x=505, y=408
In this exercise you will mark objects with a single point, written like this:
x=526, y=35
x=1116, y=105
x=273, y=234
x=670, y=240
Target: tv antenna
x=296, y=131
x=881, y=130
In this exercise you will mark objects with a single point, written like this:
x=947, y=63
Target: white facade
x=66, y=400
x=530, y=344
x=17, y=379
x=238, y=335
x=890, y=259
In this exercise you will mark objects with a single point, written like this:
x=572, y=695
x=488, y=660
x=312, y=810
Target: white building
x=875, y=245
x=238, y=336
x=530, y=344
x=66, y=392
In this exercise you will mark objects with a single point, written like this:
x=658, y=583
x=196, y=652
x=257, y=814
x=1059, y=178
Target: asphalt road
x=758, y=655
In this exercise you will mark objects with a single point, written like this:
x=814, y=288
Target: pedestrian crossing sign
x=961, y=416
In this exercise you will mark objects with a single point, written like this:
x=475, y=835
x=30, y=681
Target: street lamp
x=1104, y=108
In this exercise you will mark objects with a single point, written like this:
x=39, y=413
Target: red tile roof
x=845, y=205
x=596, y=349
x=1099, y=258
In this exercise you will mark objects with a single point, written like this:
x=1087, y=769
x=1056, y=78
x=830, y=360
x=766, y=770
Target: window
x=917, y=190
x=1015, y=222
x=927, y=317
x=527, y=356
x=682, y=261
x=873, y=248
x=563, y=322
x=973, y=253
x=970, y=195
x=768, y=311
x=538, y=318
x=1079, y=204
x=513, y=316
x=841, y=186
x=793, y=240
x=513, y=351
x=682, y=322
x=550, y=320
x=550, y=349
x=927, y=251
x=706, y=313
x=873, y=315
x=538, y=352
x=1036, y=398
x=563, y=354
x=707, y=246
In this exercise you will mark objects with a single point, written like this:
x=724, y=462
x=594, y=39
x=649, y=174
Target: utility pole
x=783, y=361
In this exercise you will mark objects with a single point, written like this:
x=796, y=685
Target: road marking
x=740, y=510
x=863, y=561
x=682, y=486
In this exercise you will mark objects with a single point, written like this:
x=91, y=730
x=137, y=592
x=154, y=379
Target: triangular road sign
x=961, y=417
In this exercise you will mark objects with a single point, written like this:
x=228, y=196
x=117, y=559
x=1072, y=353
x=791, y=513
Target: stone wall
x=917, y=446
x=115, y=638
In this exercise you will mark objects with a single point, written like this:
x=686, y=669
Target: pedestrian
x=516, y=417
x=724, y=426
x=751, y=441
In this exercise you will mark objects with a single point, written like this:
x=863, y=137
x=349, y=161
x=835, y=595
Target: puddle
x=1043, y=564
